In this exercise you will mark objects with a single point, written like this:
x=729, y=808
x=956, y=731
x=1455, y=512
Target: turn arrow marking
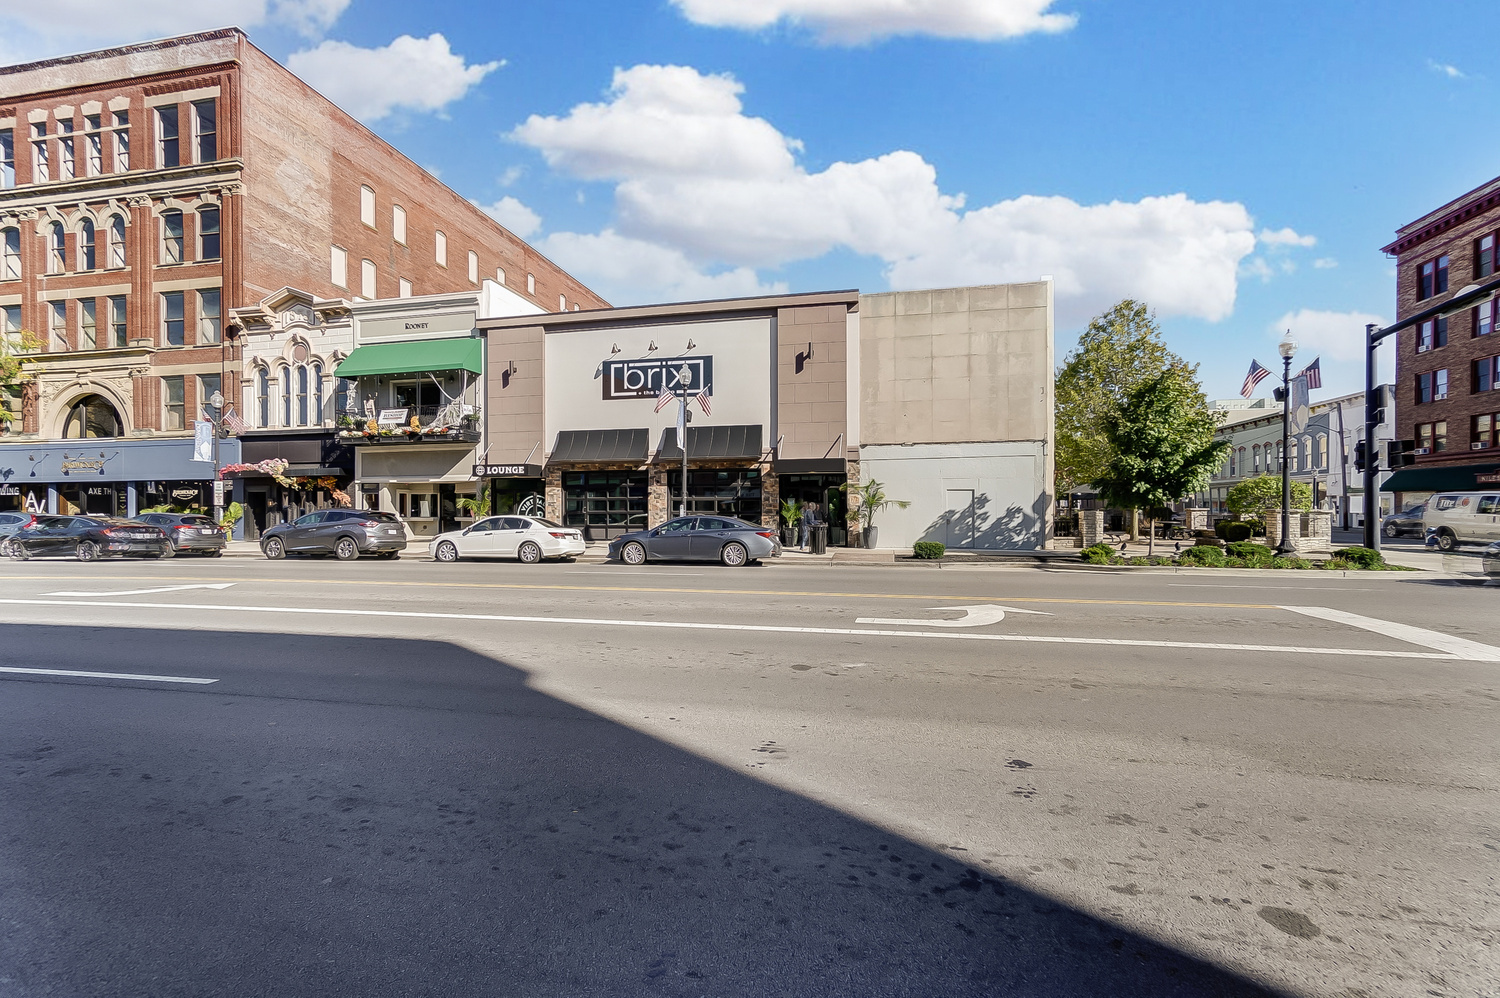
x=974, y=616
x=143, y=592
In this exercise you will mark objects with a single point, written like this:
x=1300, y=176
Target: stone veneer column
x=851, y=511
x=1090, y=527
x=658, y=502
x=1317, y=531
x=554, y=494
x=770, y=497
x=1197, y=518
x=1273, y=529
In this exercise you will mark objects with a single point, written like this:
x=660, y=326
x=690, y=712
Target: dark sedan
x=1408, y=521
x=344, y=533
x=89, y=538
x=189, y=532
x=698, y=538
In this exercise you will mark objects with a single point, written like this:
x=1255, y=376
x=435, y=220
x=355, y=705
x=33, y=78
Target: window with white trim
x=41, y=159
x=262, y=397
x=441, y=248
x=88, y=255
x=367, y=205
x=171, y=237
x=405, y=288
x=168, y=142
x=500, y=276
x=208, y=234
x=473, y=267
x=339, y=266
x=209, y=315
x=93, y=138
x=57, y=249
x=531, y=284
x=562, y=303
x=173, y=403
x=285, y=378
x=367, y=278
x=57, y=326
x=10, y=319
x=7, y=158
x=10, y=254
x=205, y=131
x=398, y=224
x=67, y=162
x=315, y=375
x=88, y=324
x=122, y=141
x=115, y=242
x=119, y=330
x=173, y=319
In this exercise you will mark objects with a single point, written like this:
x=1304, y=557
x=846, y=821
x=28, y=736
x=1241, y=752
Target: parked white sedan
x=527, y=538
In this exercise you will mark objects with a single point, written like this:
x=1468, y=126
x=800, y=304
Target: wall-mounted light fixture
x=510, y=367
x=652, y=347
x=614, y=349
x=691, y=345
x=808, y=354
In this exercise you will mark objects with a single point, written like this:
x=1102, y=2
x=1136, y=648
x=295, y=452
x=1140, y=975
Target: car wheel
x=1391, y=531
x=446, y=551
x=165, y=553
x=87, y=551
x=1447, y=541
x=734, y=554
x=274, y=549
x=633, y=553
x=8, y=548
x=529, y=553
x=345, y=549
x=216, y=553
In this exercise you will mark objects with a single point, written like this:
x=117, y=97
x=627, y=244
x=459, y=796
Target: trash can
x=819, y=538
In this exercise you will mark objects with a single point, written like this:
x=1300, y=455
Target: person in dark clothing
x=809, y=518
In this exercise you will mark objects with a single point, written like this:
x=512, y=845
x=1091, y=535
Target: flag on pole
x=664, y=397
x=1313, y=374
x=703, y=402
x=234, y=422
x=682, y=424
x=1256, y=375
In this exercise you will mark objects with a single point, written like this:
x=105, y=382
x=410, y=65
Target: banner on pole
x=203, y=440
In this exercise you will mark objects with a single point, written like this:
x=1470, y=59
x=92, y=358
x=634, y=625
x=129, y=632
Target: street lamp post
x=684, y=378
x=1287, y=347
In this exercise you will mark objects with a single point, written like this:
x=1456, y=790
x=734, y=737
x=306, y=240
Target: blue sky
x=1236, y=165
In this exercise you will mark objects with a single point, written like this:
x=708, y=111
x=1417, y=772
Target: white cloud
x=69, y=25
x=695, y=173
x=514, y=215
x=857, y=21
x=1286, y=237
x=1338, y=338
x=1325, y=263
x=1452, y=72
x=511, y=175
x=413, y=74
x=633, y=272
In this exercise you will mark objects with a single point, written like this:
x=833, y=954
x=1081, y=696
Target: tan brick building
x=147, y=190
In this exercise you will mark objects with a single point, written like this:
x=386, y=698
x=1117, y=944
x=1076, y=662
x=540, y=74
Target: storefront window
x=606, y=503
x=91, y=416
x=728, y=492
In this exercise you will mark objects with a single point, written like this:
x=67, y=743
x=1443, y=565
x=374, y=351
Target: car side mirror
x=467, y=530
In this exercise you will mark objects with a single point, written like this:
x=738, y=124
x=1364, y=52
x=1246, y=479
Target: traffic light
x=1359, y=455
x=1399, y=453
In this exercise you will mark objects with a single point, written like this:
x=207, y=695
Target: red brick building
x=147, y=190
x=1448, y=370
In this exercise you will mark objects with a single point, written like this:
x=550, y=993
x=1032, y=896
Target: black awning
x=616, y=446
x=713, y=443
x=811, y=466
x=1442, y=478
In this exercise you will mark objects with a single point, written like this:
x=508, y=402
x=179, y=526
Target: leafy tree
x=16, y=369
x=1258, y=496
x=1120, y=350
x=1161, y=443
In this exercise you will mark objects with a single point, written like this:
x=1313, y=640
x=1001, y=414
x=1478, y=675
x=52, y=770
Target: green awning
x=413, y=357
x=1452, y=478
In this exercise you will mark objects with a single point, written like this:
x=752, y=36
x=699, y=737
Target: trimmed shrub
x=1252, y=554
x=1138, y=560
x=1337, y=564
x=927, y=549
x=1361, y=557
x=1202, y=555
x=1098, y=554
x=1290, y=562
x=1236, y=530
x=1234, y=562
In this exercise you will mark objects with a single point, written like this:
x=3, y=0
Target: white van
x=1454, y=518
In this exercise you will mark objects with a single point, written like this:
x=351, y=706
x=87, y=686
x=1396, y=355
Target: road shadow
x=403, y=817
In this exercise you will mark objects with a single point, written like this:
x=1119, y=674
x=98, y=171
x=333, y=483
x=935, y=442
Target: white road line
x=107, y=675
x=974, y=615
x=1317, y=589
x=144, y=592
x=1463, y=648
x=760, y=628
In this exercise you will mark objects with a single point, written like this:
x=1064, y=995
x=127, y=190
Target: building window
x=115, y=241
x=208, y=234
x=442, y=248
x=57, y=326
x=262, y=397
x=531, y=284
x=1484, y=256
x=1233, y=462
x=286, y=395
x=1323, y=451
x=173, y=404
x=171, y=237
x=473, y=267
x=1432, y=278
x=301, y=395
x=173, y=323
x=122, y=141
x=1255, y=458
x=316, y=374
x=367, y=278
x=206, y=130
x=339, y=268
x=10, y=254
x=88, y=325
x=1440, y=436
x=398, y=223
x=57, y=249
x=67, y=164
x=10, y=319
x=1432, y=386
x=94, y=145
x=367, y=205
x=1486, y=375
x=7, y=158
x=1432, y=437
x=344, y=394
x=209, y=319
x=1432, y=334
x=405, y=288
x=500, y=276
x=41, y=162
x=87, y=255
x=118, y=330
x=562, y=303
x=1482, y=431
x=208, y=384
x=167, y=142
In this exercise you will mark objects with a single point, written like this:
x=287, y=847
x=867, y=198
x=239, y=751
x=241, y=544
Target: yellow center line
x=823, y=594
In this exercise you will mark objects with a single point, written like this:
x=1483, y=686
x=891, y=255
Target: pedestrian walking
x=809, y=517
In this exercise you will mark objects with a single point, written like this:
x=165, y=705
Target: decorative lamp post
x=685, y=379
x=1287, y=348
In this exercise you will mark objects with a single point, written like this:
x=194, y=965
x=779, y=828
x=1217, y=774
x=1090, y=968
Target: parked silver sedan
x=698, y=538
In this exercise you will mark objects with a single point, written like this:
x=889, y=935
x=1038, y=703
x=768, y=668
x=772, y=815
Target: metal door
x=960, y=518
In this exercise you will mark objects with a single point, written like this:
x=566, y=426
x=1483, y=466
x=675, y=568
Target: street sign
x=218, y=493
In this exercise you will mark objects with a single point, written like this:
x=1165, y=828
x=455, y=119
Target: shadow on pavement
x=378, y=817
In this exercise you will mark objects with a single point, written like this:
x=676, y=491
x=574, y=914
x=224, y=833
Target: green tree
x=1120, y=350
x=1161, y=444
x=1257, y=496
x=17, y=367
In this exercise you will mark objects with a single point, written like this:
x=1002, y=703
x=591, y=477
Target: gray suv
x=344, y=533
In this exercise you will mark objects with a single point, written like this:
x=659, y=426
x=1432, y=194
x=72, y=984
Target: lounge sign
x=507, y=471
x=639, y=379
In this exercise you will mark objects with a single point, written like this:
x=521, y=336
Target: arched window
x=317, y=394
x=57, y=245
x=115, y=249
x=1323, y=451
x=1234, y=462
x=262, y=397
x=1255, y=457
x=171, y=237
x=285, y=377
x=10, y=255
x=87, y=258
x=301, y=395
x=92, y=416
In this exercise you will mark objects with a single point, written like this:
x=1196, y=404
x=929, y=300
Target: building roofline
x=160, y=43
x=674, y=310
x=1465, y=206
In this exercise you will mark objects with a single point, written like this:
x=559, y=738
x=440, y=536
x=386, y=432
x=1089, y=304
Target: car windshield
x=198, y=521
x=371, y=514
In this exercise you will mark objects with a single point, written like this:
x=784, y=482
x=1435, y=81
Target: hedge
x=927, y=549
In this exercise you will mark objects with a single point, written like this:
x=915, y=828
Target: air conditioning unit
x=1478, y=445
x=1422, y=450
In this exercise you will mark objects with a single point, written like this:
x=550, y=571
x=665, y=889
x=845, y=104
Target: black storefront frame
x=718, y=491
x=604, y=503
x=826, y=490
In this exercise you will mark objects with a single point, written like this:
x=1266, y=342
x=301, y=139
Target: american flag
x=234, y=422
x=703, y=402
x=1257, y=373
x=1313, y=374
x=664, y=397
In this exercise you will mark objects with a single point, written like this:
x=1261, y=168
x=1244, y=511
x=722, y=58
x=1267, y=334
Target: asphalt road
x=489, y=779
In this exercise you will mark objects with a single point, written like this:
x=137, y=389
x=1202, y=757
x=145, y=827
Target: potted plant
x=791, y=515
x=872, y=499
